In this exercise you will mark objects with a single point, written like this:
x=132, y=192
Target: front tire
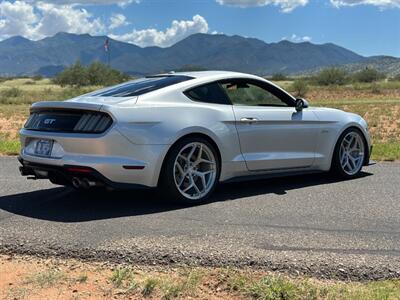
x=349, y=154
x=191, y=171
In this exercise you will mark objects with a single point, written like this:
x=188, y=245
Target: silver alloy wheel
x=351, y=153
x=195, y=170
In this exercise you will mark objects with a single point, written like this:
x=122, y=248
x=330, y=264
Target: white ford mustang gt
x=186, y=132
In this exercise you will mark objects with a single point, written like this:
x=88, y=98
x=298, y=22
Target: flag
x=107, y=45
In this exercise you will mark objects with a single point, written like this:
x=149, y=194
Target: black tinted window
x=141, y=86
x=255, y=93
x=209, y=93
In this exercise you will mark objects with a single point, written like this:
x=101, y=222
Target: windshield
x=141, y=86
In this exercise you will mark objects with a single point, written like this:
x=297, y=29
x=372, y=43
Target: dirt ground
x=37, y=279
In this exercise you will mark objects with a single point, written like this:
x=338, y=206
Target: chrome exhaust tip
x=88, y=184
x=76, y=182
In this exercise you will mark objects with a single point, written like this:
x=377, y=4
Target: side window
x=208, y=93
x=247, y=93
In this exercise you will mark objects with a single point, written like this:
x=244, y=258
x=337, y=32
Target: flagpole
x=109, y=55
x=107, y=49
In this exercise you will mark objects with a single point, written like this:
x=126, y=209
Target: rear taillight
x=93, y=122
x=69, y=121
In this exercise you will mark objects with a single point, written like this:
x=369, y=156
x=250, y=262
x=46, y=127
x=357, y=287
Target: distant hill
x=20, y=56
x=386, y=64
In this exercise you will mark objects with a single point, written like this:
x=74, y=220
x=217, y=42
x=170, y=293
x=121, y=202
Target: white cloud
x=153, y=37
x=117, y=20
x=379, y=3
x=285, y=5
x=297, y=39
x=16, y=18
x=56, y=18
x=87, y=2
x=45, y=19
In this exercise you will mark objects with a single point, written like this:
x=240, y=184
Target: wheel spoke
x=189, y=157
x=202, y=176
x=182, y=157
x=179, y=167
x=182, y=180
x=189, y=186
x=207, y=161
x=196, y=187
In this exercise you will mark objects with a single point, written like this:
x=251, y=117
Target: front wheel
x=349, y=154
x=191, y=171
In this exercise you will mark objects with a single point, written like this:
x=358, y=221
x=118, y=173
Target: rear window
x=141, y=86
x=208, y=93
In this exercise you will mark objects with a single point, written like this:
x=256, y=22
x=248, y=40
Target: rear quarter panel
x=164, y=121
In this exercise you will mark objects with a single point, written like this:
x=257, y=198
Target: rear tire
x=191, y=171
x=349, y=154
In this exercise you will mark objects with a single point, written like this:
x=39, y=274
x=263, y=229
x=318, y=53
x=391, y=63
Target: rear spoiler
x=65, y=105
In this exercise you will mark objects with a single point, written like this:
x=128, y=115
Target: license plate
x=43, y=147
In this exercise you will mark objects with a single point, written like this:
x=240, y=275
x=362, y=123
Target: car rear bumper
x=78, y=176
x=113, y=159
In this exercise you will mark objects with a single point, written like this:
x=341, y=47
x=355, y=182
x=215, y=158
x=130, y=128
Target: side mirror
x=300, y=104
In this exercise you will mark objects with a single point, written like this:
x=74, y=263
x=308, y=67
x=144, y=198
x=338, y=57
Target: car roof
x=205, y=74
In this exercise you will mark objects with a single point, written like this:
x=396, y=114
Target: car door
x=272, y=134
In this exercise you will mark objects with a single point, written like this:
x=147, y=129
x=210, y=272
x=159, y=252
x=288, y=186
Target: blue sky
x=368, y=27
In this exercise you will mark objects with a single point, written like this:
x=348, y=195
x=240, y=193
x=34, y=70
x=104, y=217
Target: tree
x=299, y=88
x=278, y=77
x=368, y=75
x=94, y=74
x=332, y=76
x=74, y=75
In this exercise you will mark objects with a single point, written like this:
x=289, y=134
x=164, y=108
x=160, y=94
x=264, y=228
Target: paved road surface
x=307, y=224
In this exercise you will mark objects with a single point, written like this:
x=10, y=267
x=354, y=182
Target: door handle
x=249, y=120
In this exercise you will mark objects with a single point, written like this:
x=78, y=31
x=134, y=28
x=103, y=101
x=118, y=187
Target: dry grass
x=32, y=278
x=378, y=103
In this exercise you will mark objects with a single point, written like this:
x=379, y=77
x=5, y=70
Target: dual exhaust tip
x=83, y=183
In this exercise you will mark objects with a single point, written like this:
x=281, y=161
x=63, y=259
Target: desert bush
x=299, y=88
x=368, y=75
x=74, y=75
x=375, y=88
x=96, y=73
x=279, y=77
x=189, y=68
x=37, y=77
x=100, y=74
x=11, y=93
x=332, y=76
x=395, y=77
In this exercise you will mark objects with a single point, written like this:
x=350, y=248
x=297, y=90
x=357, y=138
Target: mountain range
x=20, y=56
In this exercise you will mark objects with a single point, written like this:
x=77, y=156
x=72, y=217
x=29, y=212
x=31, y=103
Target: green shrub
x=37, y=77
x=375, y=88
x=368, y=75
x=332, y=76
x=11, y=93
x=299, y=88
x=95, y=74
x=74, y=75
x=279, y=77
x=395, y=77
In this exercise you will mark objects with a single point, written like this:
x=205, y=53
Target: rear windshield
x=141, y=86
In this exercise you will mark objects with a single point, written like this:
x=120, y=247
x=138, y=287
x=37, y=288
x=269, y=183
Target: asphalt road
x=306, y=224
